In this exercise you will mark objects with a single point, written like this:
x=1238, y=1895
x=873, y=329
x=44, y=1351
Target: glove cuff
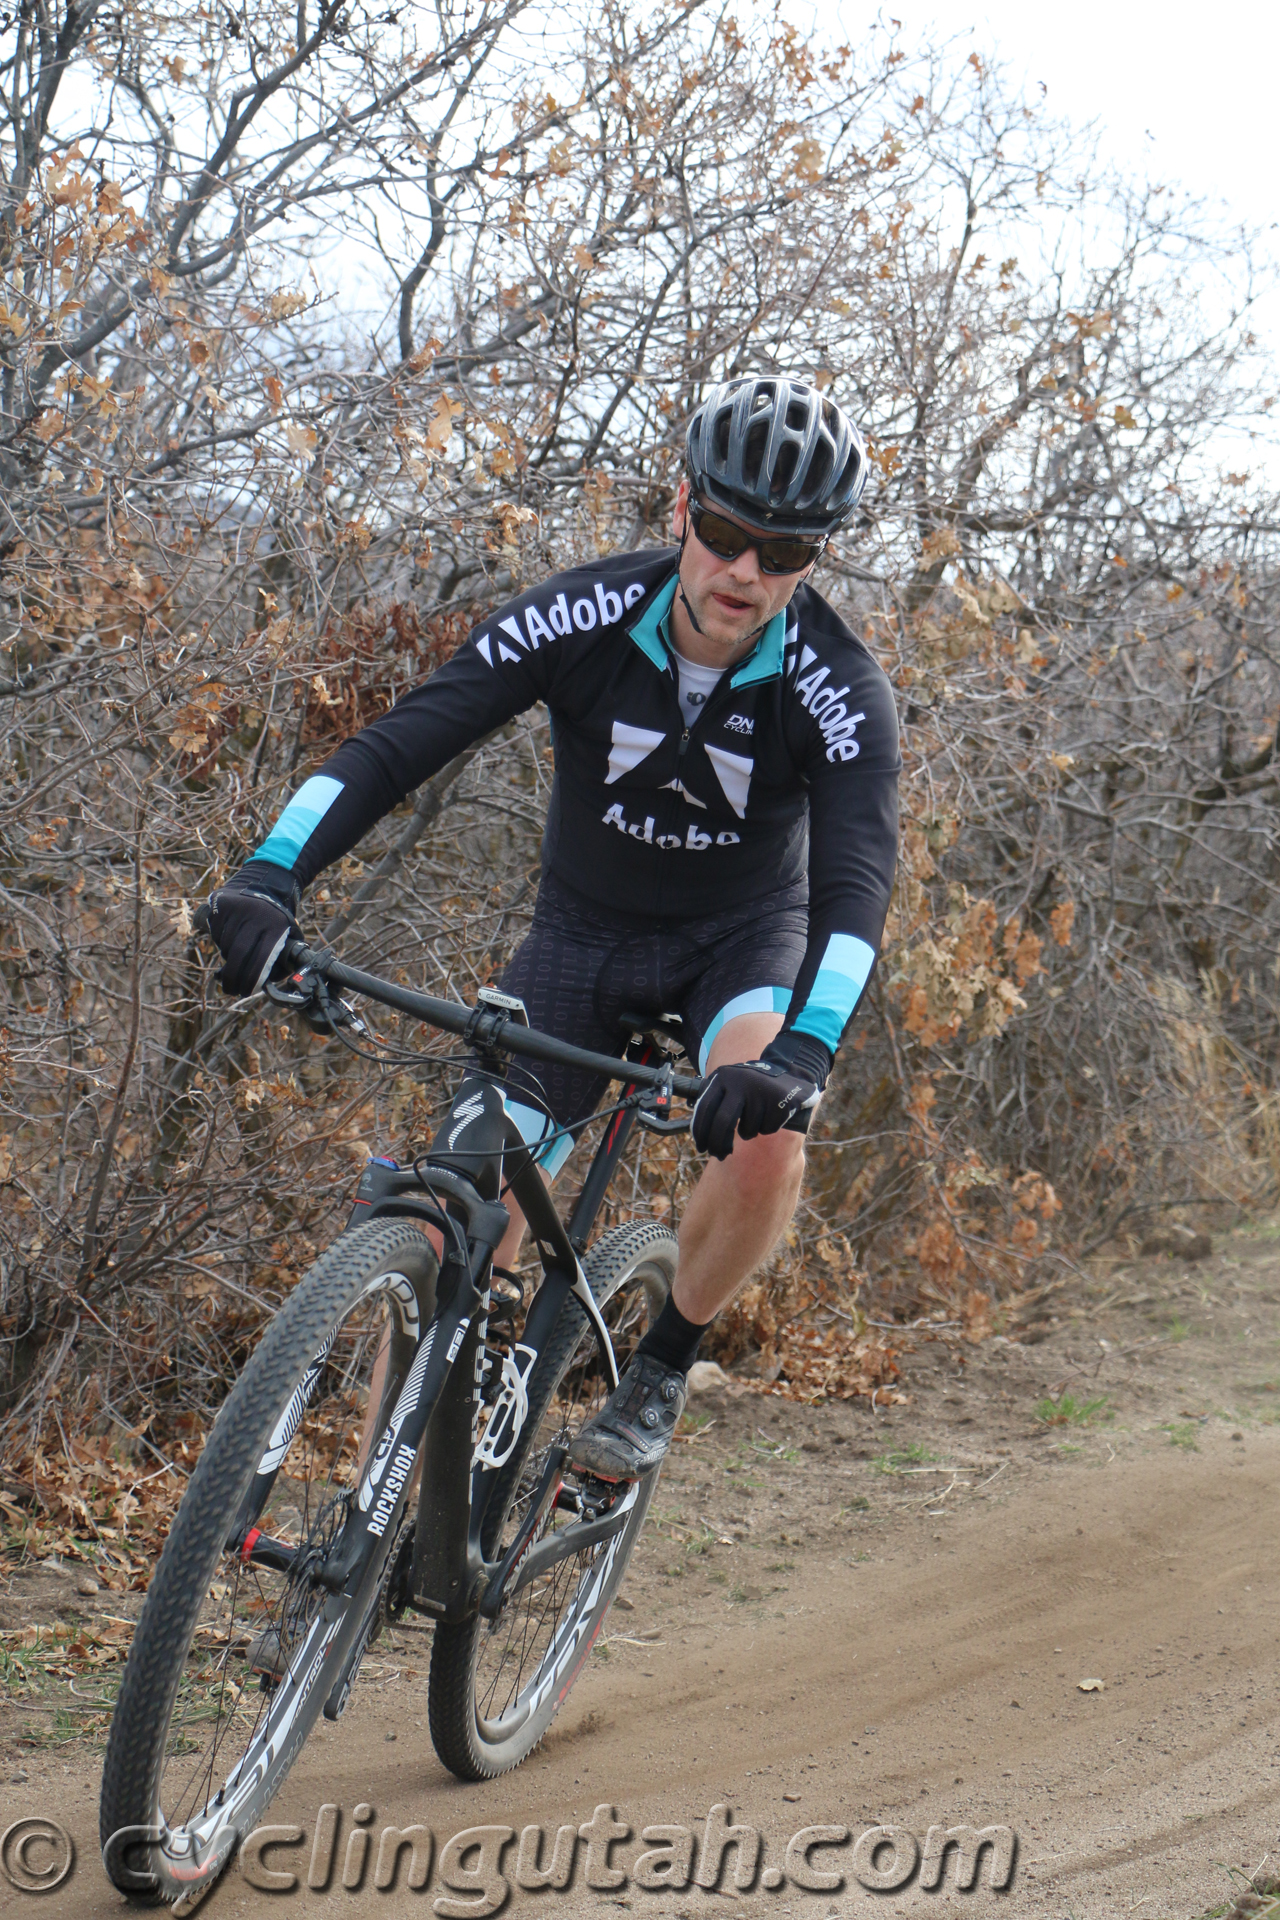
x=800, y=1053
x=264, y=876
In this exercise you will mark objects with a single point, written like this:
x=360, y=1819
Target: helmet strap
x=693, y=618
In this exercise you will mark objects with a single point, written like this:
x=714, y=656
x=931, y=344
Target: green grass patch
x=1182, y=1433
x=901, y=1458
x=693, y=1423
x=1067, y=1411
x=1178, y=1329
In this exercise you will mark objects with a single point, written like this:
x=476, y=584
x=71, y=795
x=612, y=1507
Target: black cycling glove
x=251, y=918
x=751, y=1097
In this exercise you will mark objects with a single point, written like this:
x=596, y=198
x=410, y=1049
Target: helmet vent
x=778, y=450
x=784, y=468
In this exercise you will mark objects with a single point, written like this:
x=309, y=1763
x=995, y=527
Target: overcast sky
x=1182, y=92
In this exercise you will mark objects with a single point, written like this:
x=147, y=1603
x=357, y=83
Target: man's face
x=731, y=599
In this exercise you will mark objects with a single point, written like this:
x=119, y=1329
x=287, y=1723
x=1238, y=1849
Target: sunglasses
x=775, y=553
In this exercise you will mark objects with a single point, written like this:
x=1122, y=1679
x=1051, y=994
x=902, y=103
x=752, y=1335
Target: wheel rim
x=529, y=1655
x=229, y=1721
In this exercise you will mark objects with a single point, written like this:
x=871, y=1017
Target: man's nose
x=745, y=569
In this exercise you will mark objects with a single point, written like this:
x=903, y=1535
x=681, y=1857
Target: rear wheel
x=496, y=1686
x=239, y=1646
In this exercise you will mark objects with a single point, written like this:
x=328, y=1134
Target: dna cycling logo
x=827, y=705
x=739, y=723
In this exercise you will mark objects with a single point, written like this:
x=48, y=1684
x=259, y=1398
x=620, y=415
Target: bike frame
x=455, y=1188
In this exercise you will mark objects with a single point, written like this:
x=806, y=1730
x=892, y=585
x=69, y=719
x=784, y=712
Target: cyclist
x=720, y=840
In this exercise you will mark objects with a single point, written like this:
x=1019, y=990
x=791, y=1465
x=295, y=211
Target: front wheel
x=240, y=1645
x=497, y=1685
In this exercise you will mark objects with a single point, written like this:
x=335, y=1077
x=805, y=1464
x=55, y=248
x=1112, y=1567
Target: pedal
x=596, y=1496
x=267, y=1659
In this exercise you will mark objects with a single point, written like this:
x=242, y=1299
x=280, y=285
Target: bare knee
x=770, y=1163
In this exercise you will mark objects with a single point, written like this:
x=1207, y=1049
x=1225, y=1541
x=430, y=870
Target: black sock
x=673, y=1339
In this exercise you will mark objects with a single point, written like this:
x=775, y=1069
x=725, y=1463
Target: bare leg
x=740, y=1208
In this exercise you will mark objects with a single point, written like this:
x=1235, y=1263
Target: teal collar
x=765, y=662
x=650, y=630
x=651, y=635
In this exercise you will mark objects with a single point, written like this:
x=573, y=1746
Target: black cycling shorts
x=580, y=967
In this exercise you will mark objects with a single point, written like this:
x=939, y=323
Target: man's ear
x=677, y=511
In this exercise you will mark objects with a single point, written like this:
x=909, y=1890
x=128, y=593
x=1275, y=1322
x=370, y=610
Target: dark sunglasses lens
x=786, y=556
x=721, y=536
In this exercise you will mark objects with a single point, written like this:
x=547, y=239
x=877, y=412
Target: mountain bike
x=399, y=1441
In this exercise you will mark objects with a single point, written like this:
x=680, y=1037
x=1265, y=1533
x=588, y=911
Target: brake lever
x=653, y=1109
x=307, y=993
x=652, y=1125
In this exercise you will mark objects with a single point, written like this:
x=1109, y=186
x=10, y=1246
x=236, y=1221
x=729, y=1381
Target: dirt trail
x=847, y=1619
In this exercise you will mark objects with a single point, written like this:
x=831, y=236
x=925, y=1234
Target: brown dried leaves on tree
x=338, y=328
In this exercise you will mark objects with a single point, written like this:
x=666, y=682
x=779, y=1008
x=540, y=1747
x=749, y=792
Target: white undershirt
x=697, y=684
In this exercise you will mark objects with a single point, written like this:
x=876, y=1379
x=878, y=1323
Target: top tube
x=484, y=1026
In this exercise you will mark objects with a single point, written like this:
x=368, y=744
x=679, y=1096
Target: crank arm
x=562, y=1546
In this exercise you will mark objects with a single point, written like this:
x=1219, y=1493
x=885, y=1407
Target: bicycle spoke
x=513, y=1653
x=306, y=1508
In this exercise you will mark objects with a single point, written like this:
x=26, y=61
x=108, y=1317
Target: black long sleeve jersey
x=790, y=771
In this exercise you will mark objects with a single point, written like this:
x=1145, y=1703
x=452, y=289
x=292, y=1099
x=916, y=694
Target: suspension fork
x=435, y=1375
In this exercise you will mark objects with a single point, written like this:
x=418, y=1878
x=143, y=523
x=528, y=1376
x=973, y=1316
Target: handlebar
x=483, y=1026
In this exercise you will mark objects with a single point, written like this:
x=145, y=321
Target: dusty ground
x=845, y=1618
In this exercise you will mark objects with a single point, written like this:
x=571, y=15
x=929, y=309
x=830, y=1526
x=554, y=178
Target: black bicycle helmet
x=774, y=451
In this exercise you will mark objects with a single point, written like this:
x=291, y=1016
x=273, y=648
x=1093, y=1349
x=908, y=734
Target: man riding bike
x=720, y=840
